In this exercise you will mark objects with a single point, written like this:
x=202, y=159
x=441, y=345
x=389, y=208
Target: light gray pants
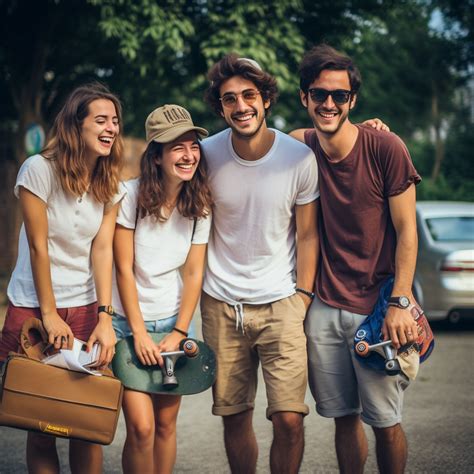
x=340, y=384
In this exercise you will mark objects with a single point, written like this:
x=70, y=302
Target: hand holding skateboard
x=170, y=343
x=380, y=354
x=400, y=325
x=145, y=348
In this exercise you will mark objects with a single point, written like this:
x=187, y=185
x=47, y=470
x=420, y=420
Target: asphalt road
x=438, y=420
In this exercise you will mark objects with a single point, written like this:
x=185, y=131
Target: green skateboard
x=191, y=369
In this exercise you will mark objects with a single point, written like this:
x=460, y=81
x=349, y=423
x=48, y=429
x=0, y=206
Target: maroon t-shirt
x=357, y=236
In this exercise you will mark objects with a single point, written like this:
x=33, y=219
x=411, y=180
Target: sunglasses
x=339, y=96
x=230, y=99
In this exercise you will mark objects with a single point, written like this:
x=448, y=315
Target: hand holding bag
x=56, y=401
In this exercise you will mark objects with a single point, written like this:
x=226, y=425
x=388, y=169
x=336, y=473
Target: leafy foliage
x=158, y=51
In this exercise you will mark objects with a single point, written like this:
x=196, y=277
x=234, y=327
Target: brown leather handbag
x=56, y=401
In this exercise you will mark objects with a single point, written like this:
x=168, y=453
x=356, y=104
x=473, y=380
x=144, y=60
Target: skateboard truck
x=188, y=348
x=392, y=366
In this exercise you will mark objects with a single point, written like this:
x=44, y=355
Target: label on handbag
x=56, y=430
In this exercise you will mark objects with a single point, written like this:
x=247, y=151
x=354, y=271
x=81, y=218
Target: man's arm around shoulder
x=376, y=123
x=298, y=134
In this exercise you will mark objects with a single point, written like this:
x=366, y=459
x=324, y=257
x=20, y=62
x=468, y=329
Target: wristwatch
x=400, y=301
x=106, y=309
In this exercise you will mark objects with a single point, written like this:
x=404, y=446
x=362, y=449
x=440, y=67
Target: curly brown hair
x=66, y=146
x=194, y=199
x=233, y=65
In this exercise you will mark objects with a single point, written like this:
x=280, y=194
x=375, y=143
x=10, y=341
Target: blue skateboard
x=380, y=355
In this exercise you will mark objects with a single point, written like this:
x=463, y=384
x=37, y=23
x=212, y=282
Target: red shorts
x=82, y=320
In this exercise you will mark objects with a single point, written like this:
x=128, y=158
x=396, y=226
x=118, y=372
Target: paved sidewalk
x=438, y=420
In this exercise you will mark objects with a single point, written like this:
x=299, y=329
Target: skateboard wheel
x=190, y=348
x=392, y=367
x=362, y=348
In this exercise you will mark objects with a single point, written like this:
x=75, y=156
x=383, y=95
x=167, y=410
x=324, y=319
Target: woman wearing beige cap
x=159, y=248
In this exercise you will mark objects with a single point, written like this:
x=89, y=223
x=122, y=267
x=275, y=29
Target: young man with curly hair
x=262, y=258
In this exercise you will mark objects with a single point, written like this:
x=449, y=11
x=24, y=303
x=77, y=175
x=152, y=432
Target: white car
x=444, y=279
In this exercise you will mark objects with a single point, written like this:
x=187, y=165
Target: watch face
x=404, y=302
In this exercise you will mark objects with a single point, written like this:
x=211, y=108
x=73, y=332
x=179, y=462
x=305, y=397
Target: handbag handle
x=35, y=351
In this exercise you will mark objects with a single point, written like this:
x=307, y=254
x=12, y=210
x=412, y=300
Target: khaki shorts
x=272, y=334
x=340, y=384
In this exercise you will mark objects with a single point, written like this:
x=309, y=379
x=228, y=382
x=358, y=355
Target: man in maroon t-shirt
x=367, y=230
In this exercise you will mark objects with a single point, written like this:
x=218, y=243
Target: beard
x=247, y=134
x=329, y=129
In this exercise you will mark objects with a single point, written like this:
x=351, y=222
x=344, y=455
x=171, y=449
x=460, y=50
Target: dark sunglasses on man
x=230, y=99
x=339, y=96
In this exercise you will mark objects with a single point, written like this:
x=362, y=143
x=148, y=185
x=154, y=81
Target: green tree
x=459, y=21
x=158, y=51
x=411, y=74
x=47, y=47
x=44, y=50
x=170, y=45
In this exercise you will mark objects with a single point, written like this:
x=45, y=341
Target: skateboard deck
x=380, y=355
x=190, y=370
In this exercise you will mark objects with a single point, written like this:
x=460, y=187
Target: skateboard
x=380, y=355
x=189, y=370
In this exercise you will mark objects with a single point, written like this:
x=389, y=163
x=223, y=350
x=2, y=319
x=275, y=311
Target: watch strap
x=397, y=301
x=106, y=309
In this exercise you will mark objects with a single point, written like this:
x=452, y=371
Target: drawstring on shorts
x=239, y=316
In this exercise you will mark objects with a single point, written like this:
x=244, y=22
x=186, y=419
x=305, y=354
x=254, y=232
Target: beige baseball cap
x=169, y=122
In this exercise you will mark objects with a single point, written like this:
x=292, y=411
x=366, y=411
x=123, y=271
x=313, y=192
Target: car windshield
x=448, y=229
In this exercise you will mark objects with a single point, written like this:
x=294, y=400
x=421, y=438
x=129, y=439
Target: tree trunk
x=10, y=218
x=438, y=138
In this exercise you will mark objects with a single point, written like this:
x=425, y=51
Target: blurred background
x=416, y=59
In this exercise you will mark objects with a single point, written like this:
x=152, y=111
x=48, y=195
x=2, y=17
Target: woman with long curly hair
x=160, y=248
x=69, y=199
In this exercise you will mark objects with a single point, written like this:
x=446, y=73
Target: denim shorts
x=122, y=329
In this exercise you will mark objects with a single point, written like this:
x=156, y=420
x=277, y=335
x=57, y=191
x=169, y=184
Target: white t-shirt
x=161, y=248
x=251, y=254
x=72, y=225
